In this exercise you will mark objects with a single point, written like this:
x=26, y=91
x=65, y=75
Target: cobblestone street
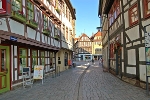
x=80, y=83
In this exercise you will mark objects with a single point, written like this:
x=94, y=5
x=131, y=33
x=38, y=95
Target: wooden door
x=4, y=69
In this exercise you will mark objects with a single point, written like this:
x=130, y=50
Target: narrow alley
x=84, y=82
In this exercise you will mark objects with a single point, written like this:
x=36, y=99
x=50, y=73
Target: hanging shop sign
x=12, y=38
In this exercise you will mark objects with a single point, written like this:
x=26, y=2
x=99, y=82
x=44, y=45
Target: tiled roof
x=98, y=34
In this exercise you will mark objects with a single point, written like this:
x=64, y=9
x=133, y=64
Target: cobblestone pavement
x=80, y=83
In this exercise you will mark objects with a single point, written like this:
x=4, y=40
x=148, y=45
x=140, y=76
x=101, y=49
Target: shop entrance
x=4, y=69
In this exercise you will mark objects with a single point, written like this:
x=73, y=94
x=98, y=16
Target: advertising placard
x=38, y=72
x=147, y=52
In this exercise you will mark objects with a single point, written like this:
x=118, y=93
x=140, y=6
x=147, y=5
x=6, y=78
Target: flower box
x=57, y=10
x=46, y=31
x=18, y=15
x=57, y=37
x=32, y=23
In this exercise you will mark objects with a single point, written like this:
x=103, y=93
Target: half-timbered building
x=124, y=24
x=96, y=45
x=84, y=48
x=34, y=32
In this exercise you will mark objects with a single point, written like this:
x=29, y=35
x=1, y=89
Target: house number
x=0, y=4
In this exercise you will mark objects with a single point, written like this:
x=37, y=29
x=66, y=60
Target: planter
x=46, y=31
x=32, y=23
x=16, y=15
x=58, y=11
x=57, y=37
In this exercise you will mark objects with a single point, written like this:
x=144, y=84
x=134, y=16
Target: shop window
x=51, y=60
x=146, y=8
x=133, y=15
x=17, y=5
x=30, y=10
x=22, y=59
x=42, y=58
x=34, y=59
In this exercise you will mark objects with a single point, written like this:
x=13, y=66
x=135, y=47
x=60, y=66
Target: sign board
x=13, y=38
x=147, y=52
x=38, y=72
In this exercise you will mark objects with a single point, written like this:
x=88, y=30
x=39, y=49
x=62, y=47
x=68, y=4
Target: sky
x=87, y=19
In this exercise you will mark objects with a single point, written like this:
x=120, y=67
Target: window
x=56, y=31
x=22, y=59
x=146, y=8
x=114, y=12
x=111, y=50
x=45, y=22
x=133, y=15
x=67, y=12
x=17, y=5
x=66, y=33
x=30, y=13
x=42, y=60
x=34, y=60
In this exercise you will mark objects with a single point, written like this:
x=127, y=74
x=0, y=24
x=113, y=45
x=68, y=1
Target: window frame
x=114, y=12
x=145, y=8
x=130, y=14
x=31, y=10
x=22, y=56
x=45, y=22
x=14, y=5
x=32, y=69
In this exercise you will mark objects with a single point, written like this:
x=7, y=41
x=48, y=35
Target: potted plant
x=19, y=15
x=57, y=37
x=46, y=31
x=32, y=23
x=58, y=10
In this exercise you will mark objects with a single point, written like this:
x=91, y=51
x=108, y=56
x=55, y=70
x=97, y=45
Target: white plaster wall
x=131, y=57
x=31, y=33
x=12, y=62
x=133, y=33
x=16, y=27
x=38, y=36
x=3, y=25
x=126, y=19
x=133, y=1
x=142, y=72
x=122, y=66
x=142, y=54
x=131, y=70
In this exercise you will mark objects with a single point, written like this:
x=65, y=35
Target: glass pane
x=3, y=66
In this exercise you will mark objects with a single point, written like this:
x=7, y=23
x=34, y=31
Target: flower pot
x=32, y=24
x=16, y=15
x=46, y=32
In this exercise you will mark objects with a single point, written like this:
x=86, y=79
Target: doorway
x=4, y=69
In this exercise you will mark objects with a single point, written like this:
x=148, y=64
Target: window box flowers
x=58, y=10
x=19, y=15
x=57, y=37
x=32, y=23
x=46, y=31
